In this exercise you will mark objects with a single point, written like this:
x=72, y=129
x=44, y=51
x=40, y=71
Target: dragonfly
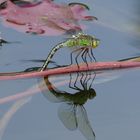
x=83, y=43
x=72, y=112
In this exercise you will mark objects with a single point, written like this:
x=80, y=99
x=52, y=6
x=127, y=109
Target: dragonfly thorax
x=82, y=40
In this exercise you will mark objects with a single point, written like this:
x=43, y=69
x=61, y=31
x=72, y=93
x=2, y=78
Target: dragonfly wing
x=48, y=94
x=104, y=79
x=51, y=97
x=66, y=114
x=104, y=76
x=84, y=124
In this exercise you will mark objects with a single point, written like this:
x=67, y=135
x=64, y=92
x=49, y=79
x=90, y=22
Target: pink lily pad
x=43, y=17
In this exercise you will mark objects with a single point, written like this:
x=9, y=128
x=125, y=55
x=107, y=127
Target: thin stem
x=98, y=66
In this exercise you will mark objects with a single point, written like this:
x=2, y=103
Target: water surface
x=113, y=113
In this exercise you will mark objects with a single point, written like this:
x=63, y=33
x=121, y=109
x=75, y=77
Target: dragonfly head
x=92, y=93
x=95, y=42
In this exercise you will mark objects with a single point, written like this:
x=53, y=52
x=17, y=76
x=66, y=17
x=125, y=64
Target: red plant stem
x=71, y=69
x=34, y=89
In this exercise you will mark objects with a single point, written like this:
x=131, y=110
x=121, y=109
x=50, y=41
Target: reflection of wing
x=66, y=114
x=49, y=95
x=103, y=79
x=83, y=123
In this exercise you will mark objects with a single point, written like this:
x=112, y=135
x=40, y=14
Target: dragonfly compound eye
x=92, y=93
x=95, y=43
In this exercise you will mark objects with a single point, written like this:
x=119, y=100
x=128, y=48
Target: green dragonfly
x=82, y=42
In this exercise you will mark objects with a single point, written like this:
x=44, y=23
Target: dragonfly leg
x=82, y=80
x=86, y=81
x=89, y=55
x=75, y=83
x=71, y=55
x=89, y=81
x=84, y=56
x=92, y=79
x=87, y=73
x=70, y=83
x=79, y=53
x=91, y=51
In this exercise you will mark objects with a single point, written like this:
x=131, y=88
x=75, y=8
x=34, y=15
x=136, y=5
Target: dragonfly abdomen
x=51, y=54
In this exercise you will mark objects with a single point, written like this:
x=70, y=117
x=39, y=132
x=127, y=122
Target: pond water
x=113, y=113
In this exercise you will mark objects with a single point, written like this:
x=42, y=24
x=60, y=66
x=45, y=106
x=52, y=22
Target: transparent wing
x=51, y=97
x=84, y=124
x=104, y=79
x=66, y=114
x=47, y=94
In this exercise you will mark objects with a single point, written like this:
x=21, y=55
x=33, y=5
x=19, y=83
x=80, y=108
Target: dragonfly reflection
x=72, y=112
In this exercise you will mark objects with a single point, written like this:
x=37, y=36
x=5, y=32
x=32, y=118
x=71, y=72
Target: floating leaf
x=43, y=17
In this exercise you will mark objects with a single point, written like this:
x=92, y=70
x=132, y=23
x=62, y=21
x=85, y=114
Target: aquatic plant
x=44, y=17
x=99, y=66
